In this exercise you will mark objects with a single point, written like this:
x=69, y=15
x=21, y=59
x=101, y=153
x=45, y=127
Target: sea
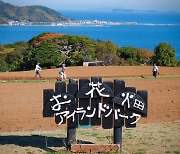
x=151, y=28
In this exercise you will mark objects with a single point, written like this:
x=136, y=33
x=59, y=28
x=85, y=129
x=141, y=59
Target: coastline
x=141, y=30
x=83, y=23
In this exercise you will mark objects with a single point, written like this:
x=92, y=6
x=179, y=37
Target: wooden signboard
x=97, y=103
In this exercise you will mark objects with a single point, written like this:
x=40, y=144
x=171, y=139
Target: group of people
x=62, y=73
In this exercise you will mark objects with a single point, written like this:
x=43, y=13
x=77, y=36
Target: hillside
x=51, y=49
x=10, y=12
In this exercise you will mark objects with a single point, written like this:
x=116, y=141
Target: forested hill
x=53, y=49
x=10, y=12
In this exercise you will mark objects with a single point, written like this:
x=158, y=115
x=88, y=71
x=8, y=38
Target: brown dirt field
x=21, y=102
x=86, y=72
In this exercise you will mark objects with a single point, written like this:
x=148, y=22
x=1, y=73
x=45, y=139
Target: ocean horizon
x=151, y=29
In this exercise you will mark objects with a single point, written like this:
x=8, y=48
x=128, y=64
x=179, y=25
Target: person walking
x=38, y=70
x=63, y=72
x=155, y=70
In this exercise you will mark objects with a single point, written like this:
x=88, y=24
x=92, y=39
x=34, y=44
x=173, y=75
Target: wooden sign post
x=94, y=102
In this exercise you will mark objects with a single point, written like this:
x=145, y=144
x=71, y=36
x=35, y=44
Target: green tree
x=83, y=45
x=164, y=55
x=75, y=58
x=13, y=55
x=46, y=53
x=101, y=50
x=130, y=55
x=3, y=65
x=14, y=60
x=111, y=58
x=76, y=48
x=134, y=56
x=107, y=52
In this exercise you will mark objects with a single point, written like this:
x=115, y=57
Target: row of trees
x=73, y=50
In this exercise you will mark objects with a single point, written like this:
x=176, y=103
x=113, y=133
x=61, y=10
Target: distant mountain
x=10, y=12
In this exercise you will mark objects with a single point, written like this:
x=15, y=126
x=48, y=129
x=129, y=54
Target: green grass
x=105, y=79
x=26, y=81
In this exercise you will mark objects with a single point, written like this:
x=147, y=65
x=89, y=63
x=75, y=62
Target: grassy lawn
x=104, y=79
x=154, y=138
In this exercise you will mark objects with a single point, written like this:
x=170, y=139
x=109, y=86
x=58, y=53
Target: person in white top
x=38, y=70
x=155, y=70
x=63, y=72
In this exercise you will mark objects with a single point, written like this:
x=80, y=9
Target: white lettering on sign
x=57, y=106
x=93, y=113
x=135, y=115
x=96, y=86
x=127, y=97
x=138, y=104
x=101, y=109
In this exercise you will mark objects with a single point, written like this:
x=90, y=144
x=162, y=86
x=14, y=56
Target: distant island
x=144, y=11
x=29, y=14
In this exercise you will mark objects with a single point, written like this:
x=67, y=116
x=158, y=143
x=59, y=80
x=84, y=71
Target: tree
x=3, y=65
x=130, y=55
x=107, y=52
x=164, y=55
x=13, y=56
x=101, y=50
x=46, y=53
x=76, y=48
x=83, y=45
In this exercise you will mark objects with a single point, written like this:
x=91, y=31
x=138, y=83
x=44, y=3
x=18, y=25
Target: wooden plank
x=144, y=96
x=83, y=103
x=95, y=120
x=107, y=122
x=72, y=89
x=95, y=148
x=60, y=88
x=119, y=87
x=128, y=112
x=47, y=95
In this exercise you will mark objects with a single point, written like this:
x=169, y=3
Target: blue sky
x=162, y=5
